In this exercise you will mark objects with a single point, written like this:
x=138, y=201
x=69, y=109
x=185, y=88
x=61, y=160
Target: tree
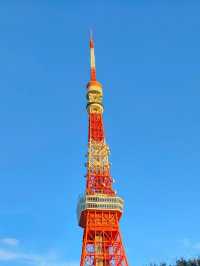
x=181, y=262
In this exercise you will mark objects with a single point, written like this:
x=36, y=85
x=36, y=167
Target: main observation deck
x=99, y=202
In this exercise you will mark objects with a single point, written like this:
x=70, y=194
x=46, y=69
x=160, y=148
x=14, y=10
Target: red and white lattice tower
x=100, y=209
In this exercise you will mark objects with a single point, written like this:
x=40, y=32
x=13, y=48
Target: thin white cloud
x=197, y=246
x=9, y=241
x=7, y=255
x=187, y=243
x=34, y=259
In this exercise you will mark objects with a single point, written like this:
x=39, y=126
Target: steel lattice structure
x=100, y=209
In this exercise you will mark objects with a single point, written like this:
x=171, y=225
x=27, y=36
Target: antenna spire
x=92, y=58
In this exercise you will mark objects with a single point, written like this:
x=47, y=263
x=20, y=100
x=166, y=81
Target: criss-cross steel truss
x=99, y=209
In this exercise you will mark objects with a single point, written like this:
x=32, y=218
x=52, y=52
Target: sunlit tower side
x=100, y=209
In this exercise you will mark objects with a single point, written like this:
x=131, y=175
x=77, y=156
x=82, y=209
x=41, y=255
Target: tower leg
x=102, y=243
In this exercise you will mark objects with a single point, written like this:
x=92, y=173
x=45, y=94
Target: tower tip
x=92, y=58
x=91, y=39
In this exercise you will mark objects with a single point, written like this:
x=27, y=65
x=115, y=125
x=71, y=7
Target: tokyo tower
x=100, y=209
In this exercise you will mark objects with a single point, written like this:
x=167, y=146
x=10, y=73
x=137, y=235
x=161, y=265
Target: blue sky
x=147, y=55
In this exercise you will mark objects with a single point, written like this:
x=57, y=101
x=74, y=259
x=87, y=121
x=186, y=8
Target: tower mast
x=100, y=208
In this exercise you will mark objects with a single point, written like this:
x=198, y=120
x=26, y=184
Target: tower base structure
x=99, y=215
x=102, y=242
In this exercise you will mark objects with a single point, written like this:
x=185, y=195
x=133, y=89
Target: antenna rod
x=92, y=58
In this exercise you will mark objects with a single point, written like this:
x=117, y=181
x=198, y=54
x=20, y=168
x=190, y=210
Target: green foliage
x=181, y=262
